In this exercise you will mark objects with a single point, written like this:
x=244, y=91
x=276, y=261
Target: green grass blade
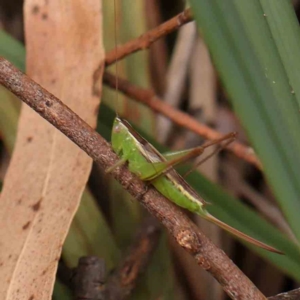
x=12, y=50
x=9, y=114
x=254, y=75
x=284, y=27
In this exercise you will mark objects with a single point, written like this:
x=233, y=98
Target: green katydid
x=150, y=165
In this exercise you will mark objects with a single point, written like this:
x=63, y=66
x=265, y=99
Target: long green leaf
x=284, y=26
x=12, y=50
x=247, y=58
x=9, y=114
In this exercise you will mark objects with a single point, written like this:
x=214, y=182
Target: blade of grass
x=284, y=27
x=258, y=87
x=9, y=113
x=12, y=50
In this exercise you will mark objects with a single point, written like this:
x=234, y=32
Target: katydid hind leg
x=172, y=161
x=179, y=157
x=218, y=149
x=170, y=156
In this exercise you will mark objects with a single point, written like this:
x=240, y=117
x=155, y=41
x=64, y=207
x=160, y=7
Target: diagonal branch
x=148, y=38
x=291, y=295
x=144, y=41
x=185, y=232
x=148, y=98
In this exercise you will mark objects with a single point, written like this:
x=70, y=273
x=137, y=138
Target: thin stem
x=144, y=41
x=148, y=38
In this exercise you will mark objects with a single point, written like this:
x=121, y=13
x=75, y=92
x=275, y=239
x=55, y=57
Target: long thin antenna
x=116, y=99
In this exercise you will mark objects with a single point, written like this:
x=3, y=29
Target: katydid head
x=119, y=135
x=123, y=134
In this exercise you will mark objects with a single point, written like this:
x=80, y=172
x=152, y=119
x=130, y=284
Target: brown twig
x=291, y=295
x=148, y=98
x=89, y=279
x=185, y=232
x=145, y=40
x=124, y=279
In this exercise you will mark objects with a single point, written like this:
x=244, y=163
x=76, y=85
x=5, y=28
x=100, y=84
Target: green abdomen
x=177, y=194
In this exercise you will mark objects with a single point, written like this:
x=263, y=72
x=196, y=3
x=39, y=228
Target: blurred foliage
x=254, y=45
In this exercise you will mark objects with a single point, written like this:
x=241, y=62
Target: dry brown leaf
x=48, y=173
